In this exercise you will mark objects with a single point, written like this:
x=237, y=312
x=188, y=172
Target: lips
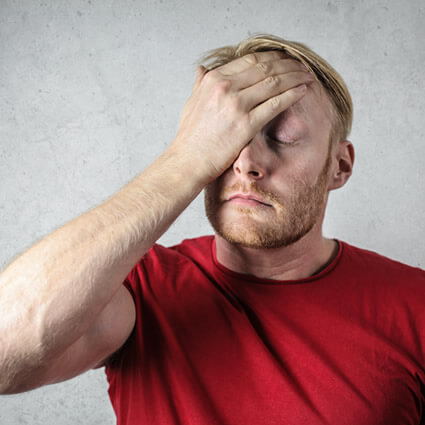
x=247, y=199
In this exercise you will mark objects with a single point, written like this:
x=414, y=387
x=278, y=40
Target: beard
x=282, y=223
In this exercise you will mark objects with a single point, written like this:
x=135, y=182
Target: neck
x=296, y=261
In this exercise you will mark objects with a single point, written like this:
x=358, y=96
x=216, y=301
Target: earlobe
x=344, y=155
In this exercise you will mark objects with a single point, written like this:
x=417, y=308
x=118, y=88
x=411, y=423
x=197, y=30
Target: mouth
x=247, y=199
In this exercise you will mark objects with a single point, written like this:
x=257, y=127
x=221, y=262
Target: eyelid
x=282, y=142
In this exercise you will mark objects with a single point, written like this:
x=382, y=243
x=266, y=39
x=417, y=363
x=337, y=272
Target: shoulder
x=188, y=249
x=193, y=246
x=173, y=277
x=372, y=264
x=162, y=260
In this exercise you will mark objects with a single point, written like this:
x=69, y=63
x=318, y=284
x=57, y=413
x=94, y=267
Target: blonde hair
x=331, y=81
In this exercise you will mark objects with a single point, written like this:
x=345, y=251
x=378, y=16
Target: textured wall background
x=91, y=93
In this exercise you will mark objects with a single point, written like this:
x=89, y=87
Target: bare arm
x=63, y=308
x=60, y=291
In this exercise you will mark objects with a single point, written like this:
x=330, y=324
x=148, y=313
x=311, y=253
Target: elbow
x=6, y=386
x=6, y=390
x=15, y=386
x=15, y=379
x=8, y=373
x=9, y=384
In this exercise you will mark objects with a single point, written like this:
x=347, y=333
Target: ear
x=343, y=153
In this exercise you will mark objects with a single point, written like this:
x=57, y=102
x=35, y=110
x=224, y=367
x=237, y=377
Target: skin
x=277, y=173
x=73, y=311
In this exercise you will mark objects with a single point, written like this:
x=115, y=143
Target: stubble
x=258, y=227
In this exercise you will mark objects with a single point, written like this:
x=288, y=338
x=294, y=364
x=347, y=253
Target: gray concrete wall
x=91, y=92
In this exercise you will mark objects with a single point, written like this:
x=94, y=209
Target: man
x=267, y=322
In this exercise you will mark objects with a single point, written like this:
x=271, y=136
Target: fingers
x=239, y=65
x=264, y=70
x=267, y=83
x=273, y=86
x=272, y=107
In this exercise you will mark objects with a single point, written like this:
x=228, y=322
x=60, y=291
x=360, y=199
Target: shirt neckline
x=265, y=281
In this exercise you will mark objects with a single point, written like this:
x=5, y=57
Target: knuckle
x=222, y=86
x=215, y=77
x=275, y=103
x=211, y=76
x=251, y=58
x=272, y=81
x=263, y=67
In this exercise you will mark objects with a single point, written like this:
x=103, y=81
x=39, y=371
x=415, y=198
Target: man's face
x=276, y=190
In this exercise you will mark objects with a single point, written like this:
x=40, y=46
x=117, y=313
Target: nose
x=251, y=162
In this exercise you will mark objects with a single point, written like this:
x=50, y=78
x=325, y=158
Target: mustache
x=252, y=188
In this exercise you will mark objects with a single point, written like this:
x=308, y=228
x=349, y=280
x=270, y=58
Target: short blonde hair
x=331, y=81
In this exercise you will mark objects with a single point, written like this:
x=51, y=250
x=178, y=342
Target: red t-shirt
x=211, y=346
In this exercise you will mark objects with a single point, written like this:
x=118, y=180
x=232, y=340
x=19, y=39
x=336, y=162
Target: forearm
x=50, y=295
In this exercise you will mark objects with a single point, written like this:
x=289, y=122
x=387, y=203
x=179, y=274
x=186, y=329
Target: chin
x=256, y=240
x=250, y=233
x=282, y=225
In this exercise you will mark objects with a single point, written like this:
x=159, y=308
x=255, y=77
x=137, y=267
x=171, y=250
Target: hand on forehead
x=249, y=60
x=312, y=110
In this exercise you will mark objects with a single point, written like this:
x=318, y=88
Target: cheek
x=310, y=161
x=226, y=180
x=212, y=192
x=297, y=174
x=294, y=165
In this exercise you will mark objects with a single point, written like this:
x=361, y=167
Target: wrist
x=185, y=167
